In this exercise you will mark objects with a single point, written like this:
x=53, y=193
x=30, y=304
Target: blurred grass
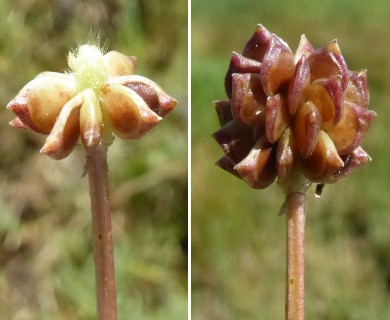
x=46, y=263
x=238, y=241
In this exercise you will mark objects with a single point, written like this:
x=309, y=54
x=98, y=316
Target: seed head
x=293, y=117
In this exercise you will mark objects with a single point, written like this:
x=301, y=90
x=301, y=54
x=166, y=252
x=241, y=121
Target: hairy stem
x=295, y=283
x=102, y=234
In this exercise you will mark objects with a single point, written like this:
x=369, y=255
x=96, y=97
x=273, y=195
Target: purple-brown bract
x=289, y=113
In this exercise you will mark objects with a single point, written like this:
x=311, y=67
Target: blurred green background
x=46, y=263
x=238, y=241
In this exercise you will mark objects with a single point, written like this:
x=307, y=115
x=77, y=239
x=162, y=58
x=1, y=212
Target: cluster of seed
x=292, y=115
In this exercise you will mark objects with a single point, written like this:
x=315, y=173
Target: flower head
x=100, y=96
x=287, y=115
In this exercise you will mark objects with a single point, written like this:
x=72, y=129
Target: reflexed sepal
x=235, y=139
x=66, y=131
x=352, y=161
x=258, y=169
x=324, y=161
x=349, y=133
x=153, y=95
x=40, y=101
x=226, y=164
x=128, y=114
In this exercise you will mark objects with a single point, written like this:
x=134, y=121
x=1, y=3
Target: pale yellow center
x=87, y=64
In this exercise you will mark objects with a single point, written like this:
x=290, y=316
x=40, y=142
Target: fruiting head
x=300, y=117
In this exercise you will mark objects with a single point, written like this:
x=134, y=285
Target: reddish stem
x=102, y=234
x=295, y=283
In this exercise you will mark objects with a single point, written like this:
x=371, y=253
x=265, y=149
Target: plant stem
x=102, y=234
x=295, y=281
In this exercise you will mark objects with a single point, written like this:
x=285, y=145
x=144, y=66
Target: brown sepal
x=306, y=128
x=258, y=44
x=248, y=98
x=327, y=96
x=226, y=164
x=357, y=89
x=128, y=114
x=277, y=66
x=328, y=62
x=300, y=80
x=304, y=49
x=66, y=131
x=118, y=64
x=258, y=169
x=235, y=139
x=224, y=111
x=276, y=117
x=153, y=95
x=349, y=133
x=352, y=161
x=40, y=101
x=323, y=162
x=239, y=64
